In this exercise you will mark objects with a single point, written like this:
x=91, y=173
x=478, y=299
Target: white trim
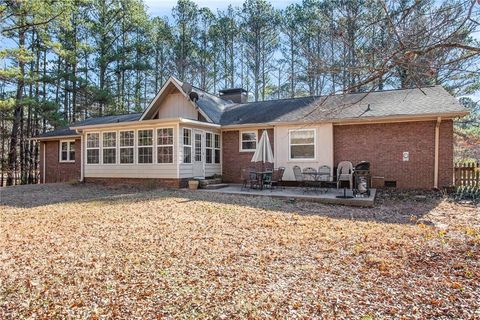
x=82, y=162
x=44, y=158
x=219, y=148
x=241, y=132
x=187, y=145
x=314, y=145
x=68, y=151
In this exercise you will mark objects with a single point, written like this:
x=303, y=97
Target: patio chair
x=345, y=173
x=297, y=172
x=277, y=177
x=267, y=179
x=249, y=179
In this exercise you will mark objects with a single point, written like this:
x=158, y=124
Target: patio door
x=198, y=154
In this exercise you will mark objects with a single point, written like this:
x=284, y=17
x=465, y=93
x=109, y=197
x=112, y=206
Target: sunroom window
x=93, y=148
x=187, y=145
x=208, y=147
x=109, y=144
x=165, y=145
x=302, y=144
x=145, y=146
x=127, y=143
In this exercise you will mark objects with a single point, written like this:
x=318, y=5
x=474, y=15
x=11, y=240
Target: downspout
x=43, y=162
x=437, y=138
x=82, y=163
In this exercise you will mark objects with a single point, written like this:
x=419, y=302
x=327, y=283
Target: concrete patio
x=290, y=193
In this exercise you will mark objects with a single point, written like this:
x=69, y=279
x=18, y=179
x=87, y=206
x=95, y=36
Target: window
x=248, y=140
x=109, y=145
x=217, y=148
x=302, y=144
x=93, y=148
x=209, y=147
x=145, y=146
x=165, y=145
x=187, y=146
x=67, y=151
x=127, y=142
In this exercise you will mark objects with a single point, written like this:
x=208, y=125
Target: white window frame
x=290, y=145
x=93, y=148
x=241, y=140
x=114, y=148
x=137, y=146
x=120, y=147
x=219, y=148
x=68, y=151
x=157, y=145
x=212, y=143
x=186, y=145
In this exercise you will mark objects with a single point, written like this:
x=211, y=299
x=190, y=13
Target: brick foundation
x=233, y=159
x=56, y=171
x=140, y=182
x=383, y=146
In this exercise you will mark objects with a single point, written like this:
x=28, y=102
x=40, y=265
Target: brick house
x=406, y=135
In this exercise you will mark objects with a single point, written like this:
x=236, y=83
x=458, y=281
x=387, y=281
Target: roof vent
x=237, y=95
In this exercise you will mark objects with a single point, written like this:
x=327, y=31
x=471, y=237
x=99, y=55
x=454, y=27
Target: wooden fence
x=467, y=174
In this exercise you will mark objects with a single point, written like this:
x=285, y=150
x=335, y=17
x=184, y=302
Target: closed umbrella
x=263, y=153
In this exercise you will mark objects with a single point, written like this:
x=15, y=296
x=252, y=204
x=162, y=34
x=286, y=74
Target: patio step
x=215, y=186
x=206, y=182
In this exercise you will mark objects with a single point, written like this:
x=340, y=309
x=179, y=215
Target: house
x=406, y=135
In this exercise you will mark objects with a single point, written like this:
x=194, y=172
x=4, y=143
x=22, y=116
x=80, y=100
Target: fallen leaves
x=93, y=252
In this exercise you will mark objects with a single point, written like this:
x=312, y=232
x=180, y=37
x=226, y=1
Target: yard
x=85, y=251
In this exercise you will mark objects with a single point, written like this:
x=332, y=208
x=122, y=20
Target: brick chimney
x=237, y=95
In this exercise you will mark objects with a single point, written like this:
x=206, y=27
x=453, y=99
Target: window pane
x=209, y=155
x=187, y=138
x=72, y=151
x=302, y=137
x=127, y=138
x=187, y=155
x=145, y=155
x=250, y=145
x=217, y=141
x=109, y=155
x=145, y=137
x=64, y=155
x=165, y=136
x=109, y=139
x=165, y=155
x=208, y=140
x=93, y=140
x=64, y=146
x=217, y=156
x=126, y=155
x=249, y=136
x=302, y=152
x=93, y=156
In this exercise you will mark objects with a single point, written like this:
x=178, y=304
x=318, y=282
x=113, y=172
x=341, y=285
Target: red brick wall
x=56, y=171
x=383, y=145
x=233, y=159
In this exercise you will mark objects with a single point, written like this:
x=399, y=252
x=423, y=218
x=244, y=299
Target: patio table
x=260, y=176
x=315, y=178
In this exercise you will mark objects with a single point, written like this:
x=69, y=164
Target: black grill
x=362, y=179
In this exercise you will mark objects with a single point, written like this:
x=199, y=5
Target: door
x=198, y=155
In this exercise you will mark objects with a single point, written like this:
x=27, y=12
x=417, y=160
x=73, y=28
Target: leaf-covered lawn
x=91, y=252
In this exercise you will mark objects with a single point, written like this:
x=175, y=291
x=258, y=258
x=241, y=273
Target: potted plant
x=193, y=184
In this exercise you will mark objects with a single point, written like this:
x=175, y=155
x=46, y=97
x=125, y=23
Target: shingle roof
x=406, y=102
x=66, y=131
x=378, y=104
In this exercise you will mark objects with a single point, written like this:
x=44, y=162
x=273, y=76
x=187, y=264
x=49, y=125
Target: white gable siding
x=175, y=105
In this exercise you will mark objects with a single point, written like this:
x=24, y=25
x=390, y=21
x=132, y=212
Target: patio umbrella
x=263, y=153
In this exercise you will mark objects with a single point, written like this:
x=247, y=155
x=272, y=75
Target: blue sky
x=164, y=7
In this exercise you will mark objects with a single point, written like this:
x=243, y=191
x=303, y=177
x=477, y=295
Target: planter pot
x=193, y=184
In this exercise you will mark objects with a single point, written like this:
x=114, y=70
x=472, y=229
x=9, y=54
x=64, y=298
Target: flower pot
x=193, y=184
